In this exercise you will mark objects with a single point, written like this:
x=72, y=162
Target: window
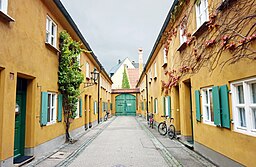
x=201, y=12
x=167, y=106
x=51, y=32
x=95, y=107
x=79, y=60
x=155, y=70
x=183, y=37
x=77, y=109
x=165, y=55
x=87, y=70
x=208, y=115
x=52, y=103
x=3, y=6
x=244, y=106
x=156, y=107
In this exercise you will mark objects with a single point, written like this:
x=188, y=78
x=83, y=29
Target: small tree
x=70, y=77
x=125, y=81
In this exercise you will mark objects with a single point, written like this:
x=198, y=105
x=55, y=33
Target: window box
x=6, y=17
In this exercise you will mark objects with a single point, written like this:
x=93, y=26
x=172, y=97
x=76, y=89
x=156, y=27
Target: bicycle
x=163, y=130
x=151, y=121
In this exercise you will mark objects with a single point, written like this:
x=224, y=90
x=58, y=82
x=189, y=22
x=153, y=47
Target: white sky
x=115, y=29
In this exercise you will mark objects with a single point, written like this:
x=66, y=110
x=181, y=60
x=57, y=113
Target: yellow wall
x=25, y=54
x=234, y=145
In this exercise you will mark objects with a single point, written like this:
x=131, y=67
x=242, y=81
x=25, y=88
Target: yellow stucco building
x=202, y=73
x=29, y=63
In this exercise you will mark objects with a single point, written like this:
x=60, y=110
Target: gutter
x=166, y=22
x=75, y=28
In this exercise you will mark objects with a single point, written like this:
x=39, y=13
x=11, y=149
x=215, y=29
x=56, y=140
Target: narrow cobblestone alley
x=128, y=142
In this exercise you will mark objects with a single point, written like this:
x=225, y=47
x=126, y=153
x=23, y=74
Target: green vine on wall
x=69, y=76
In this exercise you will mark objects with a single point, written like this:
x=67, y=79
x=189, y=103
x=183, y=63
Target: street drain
x=58, y=155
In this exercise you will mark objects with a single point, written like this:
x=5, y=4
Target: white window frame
x=79, y=60
x=248, y=105
x=207, y=103
x=52, y=108
x=155, y=70
x=77, y=109
x=166, y=106
x=87, y=70
x=183, y=38
x=165, y=55
x=51, y=32
x=202, y=14
x=4, y=6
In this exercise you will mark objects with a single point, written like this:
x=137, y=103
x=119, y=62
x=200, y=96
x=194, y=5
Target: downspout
x=147, y=95
x=99, y=96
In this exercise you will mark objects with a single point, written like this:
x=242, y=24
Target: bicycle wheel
x=171, y=131
x=162, y=128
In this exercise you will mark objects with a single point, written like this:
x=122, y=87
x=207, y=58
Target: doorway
x=20, y=118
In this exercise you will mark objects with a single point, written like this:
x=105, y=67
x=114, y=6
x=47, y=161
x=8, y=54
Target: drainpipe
x=99, y=96
x=147, y=94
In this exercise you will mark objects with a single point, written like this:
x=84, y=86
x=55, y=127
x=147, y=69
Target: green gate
x=125, y=105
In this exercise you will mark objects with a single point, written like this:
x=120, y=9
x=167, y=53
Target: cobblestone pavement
x=123, y=142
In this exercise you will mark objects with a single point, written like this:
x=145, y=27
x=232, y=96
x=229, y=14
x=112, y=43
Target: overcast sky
x=115, y=29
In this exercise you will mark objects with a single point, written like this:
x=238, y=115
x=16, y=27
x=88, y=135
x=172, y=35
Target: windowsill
x=164, y=65
x=201, y=29
x=182, y=47
x=51, y=47
x=6, y=17
x=209, y=123
x=50, y=123
x=245, y=132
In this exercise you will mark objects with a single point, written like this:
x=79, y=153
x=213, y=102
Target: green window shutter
x=225, y=115
x=60, y=99
x=164, y=106
x=44, y=108
x=80, y=107
x=154, y=105
x=198, y=109
x=216, y=105
x=169, y=106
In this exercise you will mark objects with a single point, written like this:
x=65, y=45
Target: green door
x=20, y=116
x=125, y=105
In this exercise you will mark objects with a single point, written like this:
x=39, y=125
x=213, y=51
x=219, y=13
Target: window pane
x=211, y=105
x=49, y=108
x=206, y=96
x=253, y=92
x=242, y=117
x=254, y=118
x=207, y=113
x=240, y=91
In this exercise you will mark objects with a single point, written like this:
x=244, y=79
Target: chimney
x=119, y=61
x=140, y=60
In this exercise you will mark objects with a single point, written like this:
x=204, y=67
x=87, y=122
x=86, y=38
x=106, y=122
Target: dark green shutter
x=60, y=98
x=169, y=106
x=44, y=108
x=80, y=107
x=225, y=115
x=198, y=109
x=164, y=106
x=216, y=105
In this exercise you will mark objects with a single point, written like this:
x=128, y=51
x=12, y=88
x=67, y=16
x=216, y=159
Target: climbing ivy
x=125, y=81
x=69, y=76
